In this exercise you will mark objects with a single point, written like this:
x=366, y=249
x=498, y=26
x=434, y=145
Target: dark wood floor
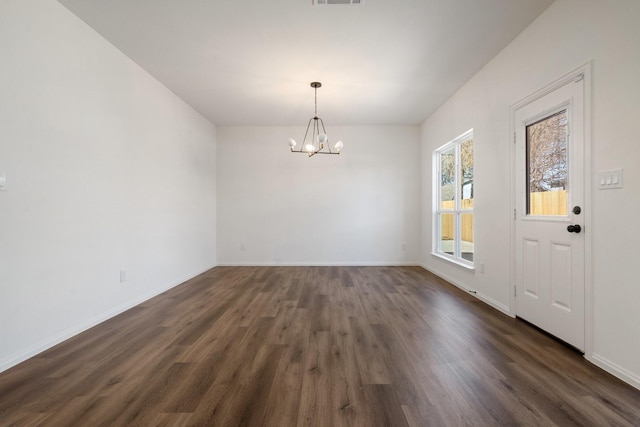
x=324, y=346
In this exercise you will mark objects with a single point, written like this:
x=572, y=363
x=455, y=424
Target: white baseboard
x=615, y=370
x=34, y=350
x=317, y=264
x=484, y=298
x=602, y=362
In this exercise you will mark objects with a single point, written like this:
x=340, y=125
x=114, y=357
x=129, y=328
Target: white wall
x=106, y=169
x=567, y=35
x=357, y=208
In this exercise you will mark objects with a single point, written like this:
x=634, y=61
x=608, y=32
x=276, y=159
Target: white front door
x=549, y=225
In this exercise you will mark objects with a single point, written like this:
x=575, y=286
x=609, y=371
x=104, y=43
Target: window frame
x=458, y=210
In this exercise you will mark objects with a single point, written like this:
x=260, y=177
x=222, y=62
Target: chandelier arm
x=305, y=135
x=316, y=132
x=325, y=132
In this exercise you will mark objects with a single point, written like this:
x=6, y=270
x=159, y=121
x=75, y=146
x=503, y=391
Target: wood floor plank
x=348, y=399
x=315, y=401
x=313, y=346
x=188, y=390
x=320, y=314
x=243, y=384
x=170, y=420
x=283, y=402
x=385, y=407
x=287, y=323
x=344, y=299
x=371, y=362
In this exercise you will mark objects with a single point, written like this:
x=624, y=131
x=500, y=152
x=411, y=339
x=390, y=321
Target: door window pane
x=547, y=165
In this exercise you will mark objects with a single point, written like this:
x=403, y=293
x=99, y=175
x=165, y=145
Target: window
x=547, y=166
x=453, y=182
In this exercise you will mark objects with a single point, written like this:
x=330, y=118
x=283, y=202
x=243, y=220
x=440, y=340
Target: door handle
x=574, y=228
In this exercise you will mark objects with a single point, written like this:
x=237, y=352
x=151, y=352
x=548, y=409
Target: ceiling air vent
x=332, y=2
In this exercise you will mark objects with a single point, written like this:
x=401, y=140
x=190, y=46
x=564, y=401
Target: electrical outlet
x=3, y=182
x=123, y=276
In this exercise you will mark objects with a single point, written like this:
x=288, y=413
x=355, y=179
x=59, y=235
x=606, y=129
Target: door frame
x=584, y=72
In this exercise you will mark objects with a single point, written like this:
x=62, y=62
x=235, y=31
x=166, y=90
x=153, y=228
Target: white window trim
x=436, y=247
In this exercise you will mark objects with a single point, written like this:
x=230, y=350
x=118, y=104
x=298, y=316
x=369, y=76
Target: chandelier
x=318, y=140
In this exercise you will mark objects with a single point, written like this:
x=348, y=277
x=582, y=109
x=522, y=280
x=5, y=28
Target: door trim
x=584, y=72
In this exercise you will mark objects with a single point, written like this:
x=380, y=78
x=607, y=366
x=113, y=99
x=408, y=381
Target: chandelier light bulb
x=292, y=143
x=339, y=146
x=309, y=148
x=322, y=138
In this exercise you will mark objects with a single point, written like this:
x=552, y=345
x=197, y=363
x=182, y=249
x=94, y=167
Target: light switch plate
x=610, y=180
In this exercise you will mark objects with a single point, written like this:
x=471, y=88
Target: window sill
x=467, y=265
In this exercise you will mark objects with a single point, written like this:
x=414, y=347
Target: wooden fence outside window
x=543, y=203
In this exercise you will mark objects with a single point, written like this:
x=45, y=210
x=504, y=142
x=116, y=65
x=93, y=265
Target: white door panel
x=560, y=282
x=531, y=268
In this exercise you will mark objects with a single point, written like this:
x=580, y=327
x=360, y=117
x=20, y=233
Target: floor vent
x=332, y=2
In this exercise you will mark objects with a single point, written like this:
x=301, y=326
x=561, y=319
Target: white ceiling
x=250, y=62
